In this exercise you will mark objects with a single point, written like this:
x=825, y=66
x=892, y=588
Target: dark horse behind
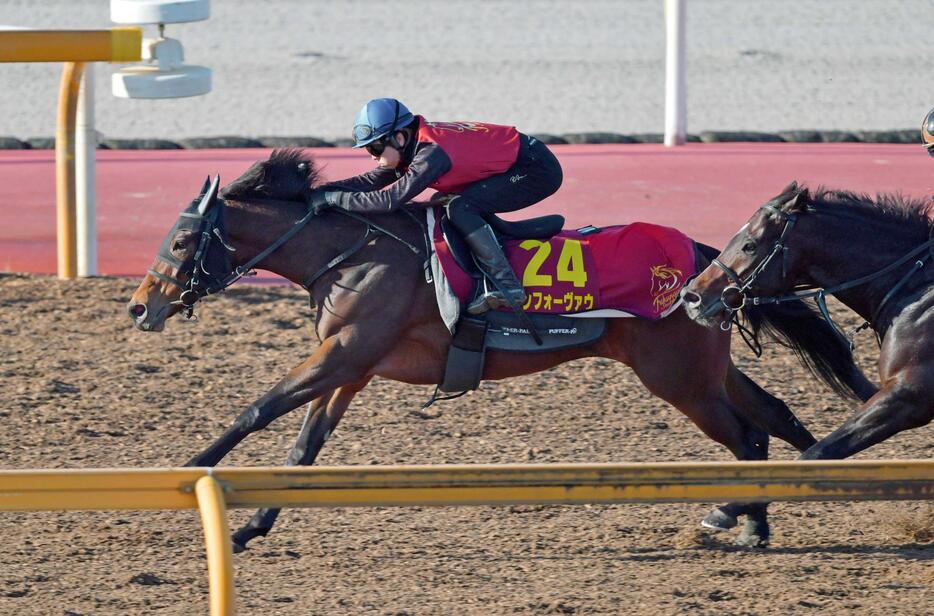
x=876, y=256
x=377, y=316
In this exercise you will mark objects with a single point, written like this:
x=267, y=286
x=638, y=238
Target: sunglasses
x=376, y=148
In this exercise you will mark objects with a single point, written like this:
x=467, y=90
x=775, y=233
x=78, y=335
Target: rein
x=193, y=291
x=371, y=229
x=740, y=287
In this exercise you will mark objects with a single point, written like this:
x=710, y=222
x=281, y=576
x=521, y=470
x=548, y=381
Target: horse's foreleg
x=896, y=408
x=320, y=422
x=261, y=522
x=327, y=369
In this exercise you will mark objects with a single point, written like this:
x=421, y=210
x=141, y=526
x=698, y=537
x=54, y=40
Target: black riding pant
x=536, y=174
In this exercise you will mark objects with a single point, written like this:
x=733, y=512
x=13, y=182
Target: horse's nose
x=137, y=311
x=690, y=297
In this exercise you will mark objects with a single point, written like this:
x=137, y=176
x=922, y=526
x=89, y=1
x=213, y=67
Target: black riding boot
x=492, y=261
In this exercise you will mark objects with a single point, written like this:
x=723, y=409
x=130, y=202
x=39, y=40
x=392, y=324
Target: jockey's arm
x=428, y=164
x=374, y=179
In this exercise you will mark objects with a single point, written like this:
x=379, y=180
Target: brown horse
x=377, y=316
x=876, y=257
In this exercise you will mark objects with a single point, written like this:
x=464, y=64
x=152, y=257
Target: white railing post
x=675, y=90
x=85, y=183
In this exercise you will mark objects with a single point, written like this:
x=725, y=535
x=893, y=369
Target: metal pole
x=65, y=168
x=675, y=90
x=85, y=183
x=210, y=495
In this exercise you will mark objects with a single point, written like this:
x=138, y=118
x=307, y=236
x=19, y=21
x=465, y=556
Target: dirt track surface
x=82, y=388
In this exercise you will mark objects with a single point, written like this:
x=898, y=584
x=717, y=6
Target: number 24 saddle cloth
x=618, y=271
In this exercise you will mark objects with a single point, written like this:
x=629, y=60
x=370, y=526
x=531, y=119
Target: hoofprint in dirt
x=82, y=388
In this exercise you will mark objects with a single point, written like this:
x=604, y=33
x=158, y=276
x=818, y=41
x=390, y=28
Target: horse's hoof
x=754, y=535
x=240, y=538
x=719, y=520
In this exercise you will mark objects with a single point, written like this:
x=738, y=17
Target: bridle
x=198, y=280
x=210, y=228
x=740, y=288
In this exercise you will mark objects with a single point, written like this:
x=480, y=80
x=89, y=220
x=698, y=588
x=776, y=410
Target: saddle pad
x=508, y=333
x=626, y=270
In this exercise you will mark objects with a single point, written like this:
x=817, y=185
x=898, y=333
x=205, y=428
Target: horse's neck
x=253, y=227
x=841, y=253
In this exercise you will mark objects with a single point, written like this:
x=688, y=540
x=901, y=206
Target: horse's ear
x=799, y=201
x=210, y=196
x=204, y=189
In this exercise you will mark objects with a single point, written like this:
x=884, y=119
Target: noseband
x=739, y=288
x=195, y=289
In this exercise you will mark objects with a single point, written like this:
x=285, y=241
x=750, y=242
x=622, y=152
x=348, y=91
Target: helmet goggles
x=379, y=119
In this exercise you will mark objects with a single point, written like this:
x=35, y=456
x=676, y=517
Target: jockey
x=927, y=132
x=486, y=167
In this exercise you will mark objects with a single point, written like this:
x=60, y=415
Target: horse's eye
x=179, y=245
x=749, y=248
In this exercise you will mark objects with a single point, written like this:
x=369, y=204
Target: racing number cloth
x=636, y=269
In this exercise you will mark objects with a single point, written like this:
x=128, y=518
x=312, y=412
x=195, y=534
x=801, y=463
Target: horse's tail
x=814, y=342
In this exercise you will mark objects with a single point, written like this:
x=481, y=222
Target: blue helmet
x=378, y=118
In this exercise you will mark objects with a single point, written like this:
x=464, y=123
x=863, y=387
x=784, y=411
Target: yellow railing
x=213, y=490
x=111, y=45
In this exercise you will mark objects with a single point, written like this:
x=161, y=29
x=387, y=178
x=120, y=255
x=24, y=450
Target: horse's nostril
x=690, y=297
x=136, y=310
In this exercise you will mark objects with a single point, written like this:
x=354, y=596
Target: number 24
x=570, y=266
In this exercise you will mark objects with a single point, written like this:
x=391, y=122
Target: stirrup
x=479, y=304
x=493, y=299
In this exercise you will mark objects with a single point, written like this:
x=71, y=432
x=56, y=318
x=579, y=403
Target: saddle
x=575, y=280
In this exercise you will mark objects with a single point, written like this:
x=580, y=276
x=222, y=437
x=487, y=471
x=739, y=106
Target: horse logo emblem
x=666, y=283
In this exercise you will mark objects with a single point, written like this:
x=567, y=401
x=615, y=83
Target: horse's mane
x=913, y=215
x=288, y=174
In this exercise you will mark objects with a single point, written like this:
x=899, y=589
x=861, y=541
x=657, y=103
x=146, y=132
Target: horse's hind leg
x=754, y=445
x=693, y=379
x=716, y=416
x=320, y=421
x=767, y=412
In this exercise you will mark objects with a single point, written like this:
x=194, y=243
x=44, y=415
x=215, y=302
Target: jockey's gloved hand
x=321, y=200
